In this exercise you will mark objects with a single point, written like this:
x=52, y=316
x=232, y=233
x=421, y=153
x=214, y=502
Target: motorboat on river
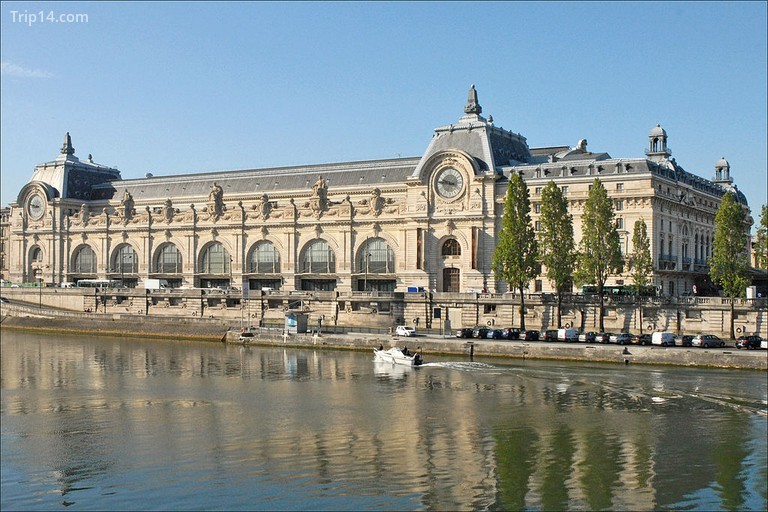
x=395, y=355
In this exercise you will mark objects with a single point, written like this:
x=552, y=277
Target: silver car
x=707, y=341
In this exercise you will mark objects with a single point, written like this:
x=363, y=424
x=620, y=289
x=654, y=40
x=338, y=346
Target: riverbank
x=217, y=331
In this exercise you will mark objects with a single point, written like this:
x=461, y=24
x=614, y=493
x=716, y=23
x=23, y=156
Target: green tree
x=761, y=247
x=599, y=253
x=515, y=259
x=729, y=262
x=640, y=261
x=556, y=243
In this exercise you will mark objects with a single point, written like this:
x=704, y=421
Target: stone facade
x=357, y=228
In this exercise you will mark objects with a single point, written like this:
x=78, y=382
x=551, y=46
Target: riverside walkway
x=32, y=318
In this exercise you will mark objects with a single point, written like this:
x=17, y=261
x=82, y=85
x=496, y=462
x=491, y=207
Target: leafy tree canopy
x=515, y=259
x=556, y=243
x=729, y=261
x=599, y=250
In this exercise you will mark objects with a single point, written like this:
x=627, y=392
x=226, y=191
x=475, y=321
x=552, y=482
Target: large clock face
x=449, y=183
x=36, y=207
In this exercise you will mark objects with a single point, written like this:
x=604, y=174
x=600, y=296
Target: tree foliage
x=556, y=244
x=599, y=253
x=640, y=261
x=729, y=262
x=515, y=259
x=761, y=247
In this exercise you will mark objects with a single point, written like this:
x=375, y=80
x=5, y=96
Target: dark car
x=494, y=334
x=641, y=339
x=587, y=337
x=480, y=332
x=550, y=335
x=684, y=341
x=465, y=332
x=530, y=335
x=603, y=337
x=748, y=342
x=512, y=333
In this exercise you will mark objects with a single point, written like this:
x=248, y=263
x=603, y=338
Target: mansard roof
x=271, y=181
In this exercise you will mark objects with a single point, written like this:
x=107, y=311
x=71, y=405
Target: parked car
x=493, y=334
x=641, y=339
x=480, y=332
x=569, y=335
x=512, y=333
x=622, y=338
x=665, y=339
x=684, y=341
x=749, y=342
x=603, y=337
x=549, y=335
x=465, y=332
x=587, y=337
x=530, y=335
x=707, y=341
x=404, y=330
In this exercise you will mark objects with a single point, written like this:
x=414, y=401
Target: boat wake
x=467, y=366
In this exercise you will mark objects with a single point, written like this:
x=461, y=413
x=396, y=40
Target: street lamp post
x=367, y=260
x=40, y=286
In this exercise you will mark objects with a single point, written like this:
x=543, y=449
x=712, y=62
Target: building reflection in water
x=536, y=435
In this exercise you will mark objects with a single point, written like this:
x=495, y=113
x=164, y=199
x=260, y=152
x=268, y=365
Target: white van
x=570, y=335
x=665, y=339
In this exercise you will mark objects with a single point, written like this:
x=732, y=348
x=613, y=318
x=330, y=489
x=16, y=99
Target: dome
x=658, y=131
x=722, y=164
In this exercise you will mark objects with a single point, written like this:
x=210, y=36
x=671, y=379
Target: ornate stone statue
x=377, y=202
x=319, y=201
x=168, y=210
x=216, y=201
x=84, y=214
x=126, y=207
x=473, y=107
x=265, y=207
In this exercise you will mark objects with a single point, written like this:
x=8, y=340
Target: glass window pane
x=318, y=258
x=264, y=259
x=215, y=259
x=168, y=260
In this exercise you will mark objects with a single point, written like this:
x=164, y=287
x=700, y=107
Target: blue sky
x=181, y=87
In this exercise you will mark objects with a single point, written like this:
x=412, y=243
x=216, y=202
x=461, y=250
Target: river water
x=119, y=424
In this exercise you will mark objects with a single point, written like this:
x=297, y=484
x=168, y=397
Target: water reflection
x=115, y=423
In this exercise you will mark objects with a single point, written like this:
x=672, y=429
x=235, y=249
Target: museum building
x=428, y=222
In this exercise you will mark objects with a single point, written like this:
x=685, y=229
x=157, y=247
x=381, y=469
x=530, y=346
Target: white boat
x=396, y=356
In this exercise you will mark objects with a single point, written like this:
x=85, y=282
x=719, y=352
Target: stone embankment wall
x=683, y=315
x=30, y=318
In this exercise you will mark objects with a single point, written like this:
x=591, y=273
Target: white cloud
x=11, y=69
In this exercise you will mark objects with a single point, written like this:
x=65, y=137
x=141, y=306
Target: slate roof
x=273, y=181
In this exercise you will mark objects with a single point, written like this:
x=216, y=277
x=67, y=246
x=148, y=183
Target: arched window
x=36, y=255
x=84, y=261
x=168, y=260
x=696, y=246
x=376, y=257
x=451, y=247
x=318, y=258
x=264, y=259
x=126, y=260
x=215, y=260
